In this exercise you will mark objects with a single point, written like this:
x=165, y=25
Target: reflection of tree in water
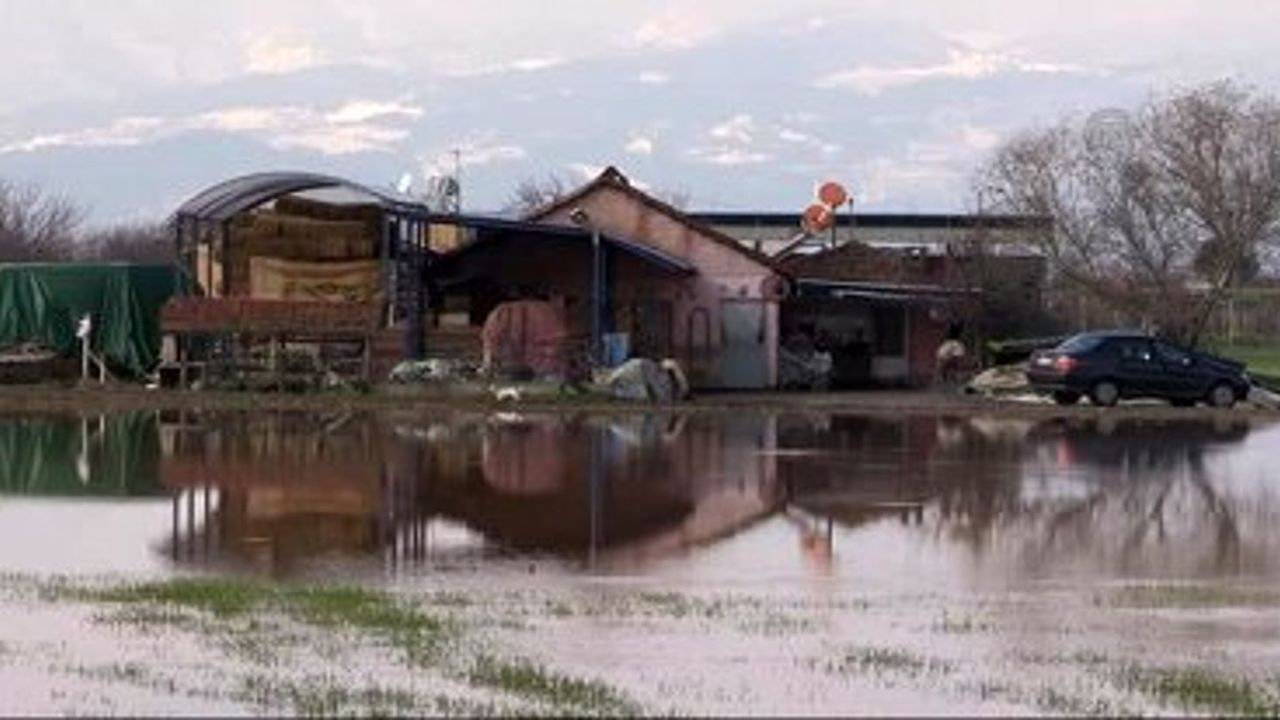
x=1146, y=496
x=1123, y=492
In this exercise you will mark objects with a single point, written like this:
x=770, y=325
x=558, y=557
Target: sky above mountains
x=131, y=106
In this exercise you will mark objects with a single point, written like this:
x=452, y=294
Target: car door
x=1138, y=370
x=1181, y=376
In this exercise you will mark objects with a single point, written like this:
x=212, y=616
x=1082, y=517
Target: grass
x=420, y=636
x=241, y=617
x=323, y=696
x=887, y=660
x=532, y=682
x=1263, y=360
x=1195, y=689
x=1153, y=597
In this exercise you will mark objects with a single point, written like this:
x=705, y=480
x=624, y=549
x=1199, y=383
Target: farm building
x=673, y=287
x=883, y=291
x=373, y=278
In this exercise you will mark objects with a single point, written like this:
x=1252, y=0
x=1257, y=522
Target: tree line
x=38, y=226
x=1157, y=211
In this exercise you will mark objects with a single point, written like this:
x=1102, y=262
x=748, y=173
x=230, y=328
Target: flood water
x=1002, y=521
x=742, y=499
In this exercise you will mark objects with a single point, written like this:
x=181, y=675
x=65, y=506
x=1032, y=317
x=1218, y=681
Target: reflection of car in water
x=1109, y=366
x=1108, y=442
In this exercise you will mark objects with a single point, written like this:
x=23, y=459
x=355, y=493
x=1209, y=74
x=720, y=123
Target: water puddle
x=921, y=564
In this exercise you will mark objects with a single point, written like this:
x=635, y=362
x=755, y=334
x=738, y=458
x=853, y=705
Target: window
x=1170, y=355
x=1079, y=344
x=1133, y=350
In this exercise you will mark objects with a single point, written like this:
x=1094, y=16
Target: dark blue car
x=1109, y=366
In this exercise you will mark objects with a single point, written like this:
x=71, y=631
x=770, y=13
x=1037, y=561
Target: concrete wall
x=724, y=275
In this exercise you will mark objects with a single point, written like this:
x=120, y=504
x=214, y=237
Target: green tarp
x=43, y=303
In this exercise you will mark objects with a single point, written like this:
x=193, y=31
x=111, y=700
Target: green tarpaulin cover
x=43, y=303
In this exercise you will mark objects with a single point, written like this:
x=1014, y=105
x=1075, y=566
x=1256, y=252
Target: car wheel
x=1222, y=395
x=1105, y=394
x=1066, y=398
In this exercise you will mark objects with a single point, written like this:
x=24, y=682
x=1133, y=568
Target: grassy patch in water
x=532, y=682
x=887, y=660
x=962, y=625
x=324, y=696
x=420, y=636
x=1151, y=597
x=223, y=598
x=1199, y=689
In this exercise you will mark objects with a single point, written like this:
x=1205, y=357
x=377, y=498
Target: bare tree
x=533, y=193
x=129, y=242
x=36, y=226
x=1157, y=212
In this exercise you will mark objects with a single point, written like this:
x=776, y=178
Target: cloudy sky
x=132, y=105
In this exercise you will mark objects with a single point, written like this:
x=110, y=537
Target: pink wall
x=724, y=273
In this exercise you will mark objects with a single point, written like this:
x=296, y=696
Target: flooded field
x=711, y=563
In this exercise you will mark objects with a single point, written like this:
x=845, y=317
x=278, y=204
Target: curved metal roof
x=232, y=197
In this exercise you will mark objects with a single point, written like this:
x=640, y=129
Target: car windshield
x=1079, y=344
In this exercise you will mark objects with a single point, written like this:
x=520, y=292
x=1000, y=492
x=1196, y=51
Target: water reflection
x=53, y=456
x=275, y=488
x=1016, y=499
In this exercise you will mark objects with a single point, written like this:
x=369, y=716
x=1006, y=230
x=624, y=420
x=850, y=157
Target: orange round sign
x=833, y=194
x=818, y=218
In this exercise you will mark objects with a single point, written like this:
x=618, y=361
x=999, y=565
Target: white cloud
x=640, y=145
x=651, y=77
x=679, y=27
x=586, y=171
x=355, y=126
x=793, y=136
x=960, y=65
x=729, y=156
x=534, y=64
x=737, y=129
x=476, y=150
x=361, y=111
x=272, y=56
x=342, y=140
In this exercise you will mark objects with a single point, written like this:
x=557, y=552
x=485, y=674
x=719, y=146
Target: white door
x=744, y=360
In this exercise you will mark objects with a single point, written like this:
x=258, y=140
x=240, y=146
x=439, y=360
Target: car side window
x=1170, y=355
x=1134, y=351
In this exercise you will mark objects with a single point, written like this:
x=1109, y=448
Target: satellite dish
x=404, y=184
x=817, y=218
x=833, y=194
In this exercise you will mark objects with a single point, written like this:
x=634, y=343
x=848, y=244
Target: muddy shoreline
x=61, y=399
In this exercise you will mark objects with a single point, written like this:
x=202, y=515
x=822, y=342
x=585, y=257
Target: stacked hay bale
x=303, y=230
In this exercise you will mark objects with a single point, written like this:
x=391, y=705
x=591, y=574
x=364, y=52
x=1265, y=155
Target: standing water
x=705, y=563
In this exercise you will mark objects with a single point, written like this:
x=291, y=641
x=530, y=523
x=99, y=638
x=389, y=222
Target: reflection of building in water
x=275, y=488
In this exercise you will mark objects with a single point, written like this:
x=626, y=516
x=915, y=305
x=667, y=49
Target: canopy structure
x=225, y=200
